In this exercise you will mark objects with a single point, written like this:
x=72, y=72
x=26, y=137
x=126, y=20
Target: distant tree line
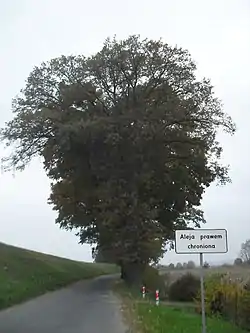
x=186, y=265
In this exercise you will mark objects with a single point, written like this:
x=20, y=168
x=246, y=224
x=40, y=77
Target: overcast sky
x=217, y=33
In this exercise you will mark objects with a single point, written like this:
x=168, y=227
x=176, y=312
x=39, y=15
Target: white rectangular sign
x=201, y=241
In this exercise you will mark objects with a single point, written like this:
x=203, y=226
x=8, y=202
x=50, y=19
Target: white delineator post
x=157, y=298
x=143, y=291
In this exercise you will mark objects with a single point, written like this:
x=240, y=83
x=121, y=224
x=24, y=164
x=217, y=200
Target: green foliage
x=185, y=288
x=103, y=256
x=171, y=266
x=25, y=274
x=242, y=317
x=128, y=138
x=213, y=289
x=228, y=298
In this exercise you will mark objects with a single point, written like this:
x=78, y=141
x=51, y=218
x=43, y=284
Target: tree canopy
x=128, y=138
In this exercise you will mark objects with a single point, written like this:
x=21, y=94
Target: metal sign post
x=203, y=309
x=201, y=241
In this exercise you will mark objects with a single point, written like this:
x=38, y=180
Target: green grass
x=25, y=274
x=161, y=319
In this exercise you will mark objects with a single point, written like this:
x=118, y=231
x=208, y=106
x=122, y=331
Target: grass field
x=153, y=319
x=25, y=274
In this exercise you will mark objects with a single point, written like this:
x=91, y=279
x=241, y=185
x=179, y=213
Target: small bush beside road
x=185, y=288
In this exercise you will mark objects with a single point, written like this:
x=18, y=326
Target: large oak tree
x=128, y=138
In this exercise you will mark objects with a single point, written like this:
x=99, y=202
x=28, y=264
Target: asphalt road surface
x=85, y=307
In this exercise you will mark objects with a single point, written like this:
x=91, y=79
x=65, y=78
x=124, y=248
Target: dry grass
x=128, y=297
x=242, y=272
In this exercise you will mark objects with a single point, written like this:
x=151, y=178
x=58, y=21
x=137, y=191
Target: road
x=85, y=307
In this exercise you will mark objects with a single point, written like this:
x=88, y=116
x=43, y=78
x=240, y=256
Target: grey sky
x=217, y=33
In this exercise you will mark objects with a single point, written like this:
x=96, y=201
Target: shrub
x=228, y=298
x=214, y=290
x=206, y=265
x=178, y=265
x=243, y=310
x=185, y=288
x=171, y=266
x=190, y=264
x=238, y=261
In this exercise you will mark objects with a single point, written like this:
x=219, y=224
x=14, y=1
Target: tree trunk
x=123, y=272
x=132, y=273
